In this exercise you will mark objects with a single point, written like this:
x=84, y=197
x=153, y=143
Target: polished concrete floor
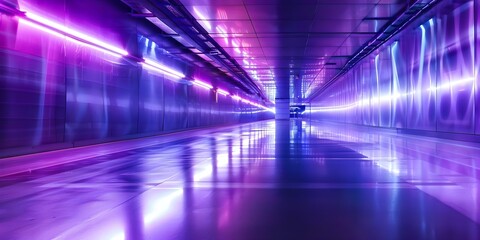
x=265, y=180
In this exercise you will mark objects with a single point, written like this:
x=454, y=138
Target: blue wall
x=56, y=93
x=423, y=79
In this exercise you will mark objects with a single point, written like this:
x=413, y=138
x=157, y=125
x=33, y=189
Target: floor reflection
x=266, y=180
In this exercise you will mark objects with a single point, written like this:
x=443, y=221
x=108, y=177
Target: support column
x=282, y=108
x=282, y=97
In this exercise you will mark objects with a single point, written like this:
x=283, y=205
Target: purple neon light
x=59, y=30
x=252, y=103
x=207, y=86
x=150, y=67
x=68, y=38
x=73, y=35
x=202, y=84
x=236, y=97
x=223, y=92
x=42, y=23
x=162, y=68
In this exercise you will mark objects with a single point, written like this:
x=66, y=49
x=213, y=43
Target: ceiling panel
x=332, y=26
x=339, y=11
x=284, y=12
x=325, y=41
x=279, y=2
x=309, y=38
x=210, y=2
x=222, y=12
x=227, y=26
x=284, y=42
x=385, y=10
x=237, y=42
x=282, y=26
x=371, y=25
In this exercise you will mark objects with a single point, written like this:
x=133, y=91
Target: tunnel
x=240, y=119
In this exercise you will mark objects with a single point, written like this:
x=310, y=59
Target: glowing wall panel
x=384, y=74
x=375, y=91
x=151, y=102
x=176, y=106
x=477, y=68
x=32, y=86
x=399, y=104
x=57, y=93
x=102, y=95
x=419, y=48
x=423, y=79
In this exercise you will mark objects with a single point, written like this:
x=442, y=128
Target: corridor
x=265, y=180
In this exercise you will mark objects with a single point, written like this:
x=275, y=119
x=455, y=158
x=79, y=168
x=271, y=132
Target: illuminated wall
x=56, y=92
x=423, y=79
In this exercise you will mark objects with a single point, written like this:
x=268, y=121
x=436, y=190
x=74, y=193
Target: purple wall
x=56, y=93
x=424, y=79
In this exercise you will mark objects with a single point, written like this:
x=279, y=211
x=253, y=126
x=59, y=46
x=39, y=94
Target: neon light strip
x=71, y=33
x=246, y=101
x=207, y=86
x=147, y=66
x=68, y=38
x=451, y=84
x=223, y=92
x=202, y=84
x=163, y=68
x=387, y=98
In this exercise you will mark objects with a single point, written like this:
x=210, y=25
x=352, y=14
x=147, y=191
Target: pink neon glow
x=59, y=35
x=164, y=68
x=77, y=37
x=72, y=33
x=236, y=97
x=202, y=84
x=206, y=24
x=223, y=92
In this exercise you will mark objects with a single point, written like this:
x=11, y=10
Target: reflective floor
x=266, y=180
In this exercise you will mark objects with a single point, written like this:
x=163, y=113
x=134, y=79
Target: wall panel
x=151, y=102
x=421, y=79
x=456, y=53
x=57, y=93
x=32, y=86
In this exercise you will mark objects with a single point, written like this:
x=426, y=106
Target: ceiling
x=290, y=48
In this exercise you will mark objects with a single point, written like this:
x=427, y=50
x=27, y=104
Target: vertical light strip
x=223, y=92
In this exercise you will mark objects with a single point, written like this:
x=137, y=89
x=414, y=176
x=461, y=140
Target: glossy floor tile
x=265, y=180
